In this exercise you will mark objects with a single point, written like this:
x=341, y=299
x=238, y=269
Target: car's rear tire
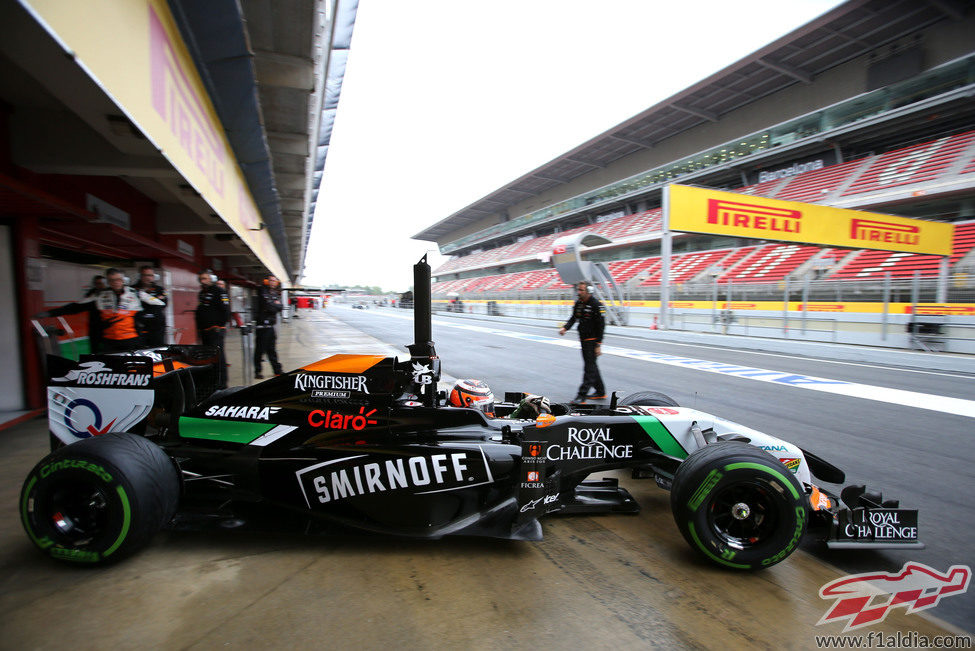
x=738, y=506
x=649, y=399
x=100, y=499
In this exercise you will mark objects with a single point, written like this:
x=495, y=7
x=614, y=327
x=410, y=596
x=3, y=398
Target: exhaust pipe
x=425, y=364
x=422, y=311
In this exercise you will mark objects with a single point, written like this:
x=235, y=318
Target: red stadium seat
x=763, y=189
x=813, y=186
x=734, y=259
x=773, y=263
x=911, y=165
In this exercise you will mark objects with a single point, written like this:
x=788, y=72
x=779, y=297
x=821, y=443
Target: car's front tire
x=100, y=499
x=738, y=506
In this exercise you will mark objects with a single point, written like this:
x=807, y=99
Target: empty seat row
x=911, y=165
x=751, y=264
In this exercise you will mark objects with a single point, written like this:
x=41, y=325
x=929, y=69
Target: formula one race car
x=369, y=443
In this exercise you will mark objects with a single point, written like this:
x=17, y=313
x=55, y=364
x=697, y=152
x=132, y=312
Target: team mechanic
x=267, y=306
x=588, y=311
x=151, y=322
x=116, y=309
x=212, y=315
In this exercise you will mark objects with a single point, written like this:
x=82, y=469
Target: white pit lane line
x=900, y=397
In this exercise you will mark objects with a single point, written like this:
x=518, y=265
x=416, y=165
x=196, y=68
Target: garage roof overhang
x=62, y=223
x=271, y=70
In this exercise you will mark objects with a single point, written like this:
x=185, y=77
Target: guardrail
x=960, y=289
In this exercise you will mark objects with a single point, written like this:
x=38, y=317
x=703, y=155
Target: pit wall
x=865, y=324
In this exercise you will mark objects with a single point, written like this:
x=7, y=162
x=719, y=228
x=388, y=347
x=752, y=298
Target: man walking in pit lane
x=212, y=315
x=151, y=321
x=588, y=311
x=267, y=305
x=116, y=309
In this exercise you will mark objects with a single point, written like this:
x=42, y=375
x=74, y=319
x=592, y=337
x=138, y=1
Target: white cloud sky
x=445, y=101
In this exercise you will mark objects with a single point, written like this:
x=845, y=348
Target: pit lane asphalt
x=602, y=582
x=920, y=456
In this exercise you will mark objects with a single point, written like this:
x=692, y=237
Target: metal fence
x=787, y=310
x=959, y=288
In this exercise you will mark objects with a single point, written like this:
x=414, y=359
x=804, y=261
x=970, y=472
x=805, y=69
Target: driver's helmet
x=474, y=394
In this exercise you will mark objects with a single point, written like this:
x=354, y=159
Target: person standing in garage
x=151, y=321
x=267, y=306
x=212, y=315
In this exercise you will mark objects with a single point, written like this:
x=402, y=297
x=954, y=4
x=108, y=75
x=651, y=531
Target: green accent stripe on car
x=771, y=471
x=712, y=556
x=221, y=430
x=126, y=521
x=661, y=436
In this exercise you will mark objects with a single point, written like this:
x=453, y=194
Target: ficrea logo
x=865, y=599
x=94, y=428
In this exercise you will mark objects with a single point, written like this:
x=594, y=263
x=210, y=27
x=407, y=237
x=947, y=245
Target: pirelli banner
x=699, y=210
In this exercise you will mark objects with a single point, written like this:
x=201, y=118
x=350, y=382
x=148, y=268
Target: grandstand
x=868, y=107
x=922, y=165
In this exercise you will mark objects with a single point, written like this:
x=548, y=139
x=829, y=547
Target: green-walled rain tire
x=738, y=506
x=98, y=500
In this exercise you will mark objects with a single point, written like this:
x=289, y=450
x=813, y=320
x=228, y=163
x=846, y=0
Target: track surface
x=921, y=456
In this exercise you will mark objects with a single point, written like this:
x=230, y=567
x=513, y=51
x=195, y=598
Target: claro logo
x=753, y=216
x=872, y=230
x=334, y=420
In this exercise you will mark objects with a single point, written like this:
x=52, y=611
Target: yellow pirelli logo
x=754, y=216
x=701, y=210
x=875, y=230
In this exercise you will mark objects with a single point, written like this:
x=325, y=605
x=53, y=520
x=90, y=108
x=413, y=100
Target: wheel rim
x=744, y=514
x=79, y=512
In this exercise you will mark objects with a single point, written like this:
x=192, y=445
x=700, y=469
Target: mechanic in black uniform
x=212, y=315
x=588, y=311
x=94, y=320
x=267, y=305
x=151, y=321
